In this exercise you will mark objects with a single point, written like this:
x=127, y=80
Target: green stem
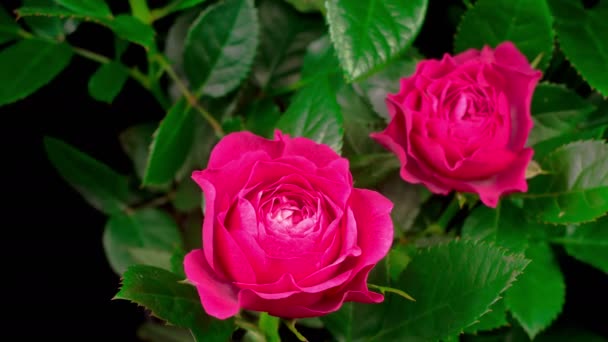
x=140, y=10
x=190, y=97
x=93, y=56
x=291, y=325
x=162, y=12
x=384, y=289
x=448, y=214
x=248, y=326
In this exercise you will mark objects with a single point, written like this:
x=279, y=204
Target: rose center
x=289, y=215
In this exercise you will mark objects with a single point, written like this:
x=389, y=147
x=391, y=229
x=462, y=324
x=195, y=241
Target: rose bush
x=284, y=231
x=461, y=123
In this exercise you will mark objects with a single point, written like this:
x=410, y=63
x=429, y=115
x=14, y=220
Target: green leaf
x=581, y=34
x=133, y=30
x=149, y=228
x=28, y=65
x=171, y=144
x=320, y=61
x=173, y=301
x=48, y=27
x=163, y=333
x=101, y=186
x=179, y=5
x=380, y=84
x=262, y=118
x=589, y=243
x=506, y=226
x=9, y=29
x=198, y=154
x=492, y=22
x=472, y=278
x=556, y=110
x=538, y=296
x=545, y=147
x=269, y=325
x=149, y=256
x=315, y=114
x=408, y=196
x=92, y=8
x=135, y=141
x=369, y=33
x=284, y=37
x=370, y=169
x=566, y=334
x=495, y=318
x=576, y=188
x=221, y=46
x=177, y=262
x=307, y=6
x=108, y=81
x=355, y=322
x=188, y=196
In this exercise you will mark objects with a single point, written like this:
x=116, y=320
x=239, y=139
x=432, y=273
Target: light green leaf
x=133, y=30
x=380, y=84
x=92, y=8
x=576, y=188
x=545, y=147
x=101, y=186
x=173, y=301
x=307, y=6
x=472, y=278
x=135, y=141
x=506, y=226
x=150, y=229
x=589, y=243
x=368, y=33
x=315, y=114
x=107, y=81
x=171, y=144
x=495, y=318
x=556, y=110
x=582, y=37
x=538, y=296
x=28, y=65
x=151, y=256
x=9, y=29
x=320, y=61
x=269, y=325
x=492, y=22
x=179, y=5
x=163, y=333
x=220, y=47
x=285, y=35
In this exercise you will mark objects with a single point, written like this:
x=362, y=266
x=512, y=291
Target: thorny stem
x=190, y=97
x=291, y=325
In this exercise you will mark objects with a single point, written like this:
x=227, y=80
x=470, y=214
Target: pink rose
x=285, y=232
x=462, y=123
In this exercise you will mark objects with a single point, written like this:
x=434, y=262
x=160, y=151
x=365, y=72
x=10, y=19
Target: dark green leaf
x=101, y=186
x=370, y=169
x=496, y=318
x=198, y=154
x=269, y=325
x=543, y=148
x=188, y=196
x=163, y=333
x=506, y=226
x=406, y=196
x=368, y=33
x=177, y=262
x=131, y=29
x=581, y=33
x=285, y=35
x=171, y=144
x=355, y=322
x=220, y=47
x=315, y=114
x=569, y=335
x=262, y=118
x=380, y=84
x=576, y=188
x=308, y=5
x=492, y=22
x=108, y=81
x=178, y=5
x=472, y=278
x=41, y=25
x=556, y=110
x=320, y=61
x=92, y=8
x=169, y=299
x=136, y=141
x=150, y=256
x=538, y=296
x=149, y=229
x=9, y=29
x=589, y=243
x=28, y=65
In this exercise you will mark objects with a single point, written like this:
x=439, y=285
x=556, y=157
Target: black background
x=57, y=276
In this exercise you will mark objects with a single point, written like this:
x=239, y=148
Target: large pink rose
x=285, y=232
x=462, y=123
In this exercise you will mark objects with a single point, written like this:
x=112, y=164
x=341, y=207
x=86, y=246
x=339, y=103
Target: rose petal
x=319, y=154
x=218, y=297
x=237, y=144
x=507, y=55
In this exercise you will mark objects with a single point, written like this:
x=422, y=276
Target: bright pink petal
x=235, y=145
x=219, y=298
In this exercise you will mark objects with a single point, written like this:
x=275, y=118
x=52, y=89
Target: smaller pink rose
x=285, y=231
x=462, y=123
